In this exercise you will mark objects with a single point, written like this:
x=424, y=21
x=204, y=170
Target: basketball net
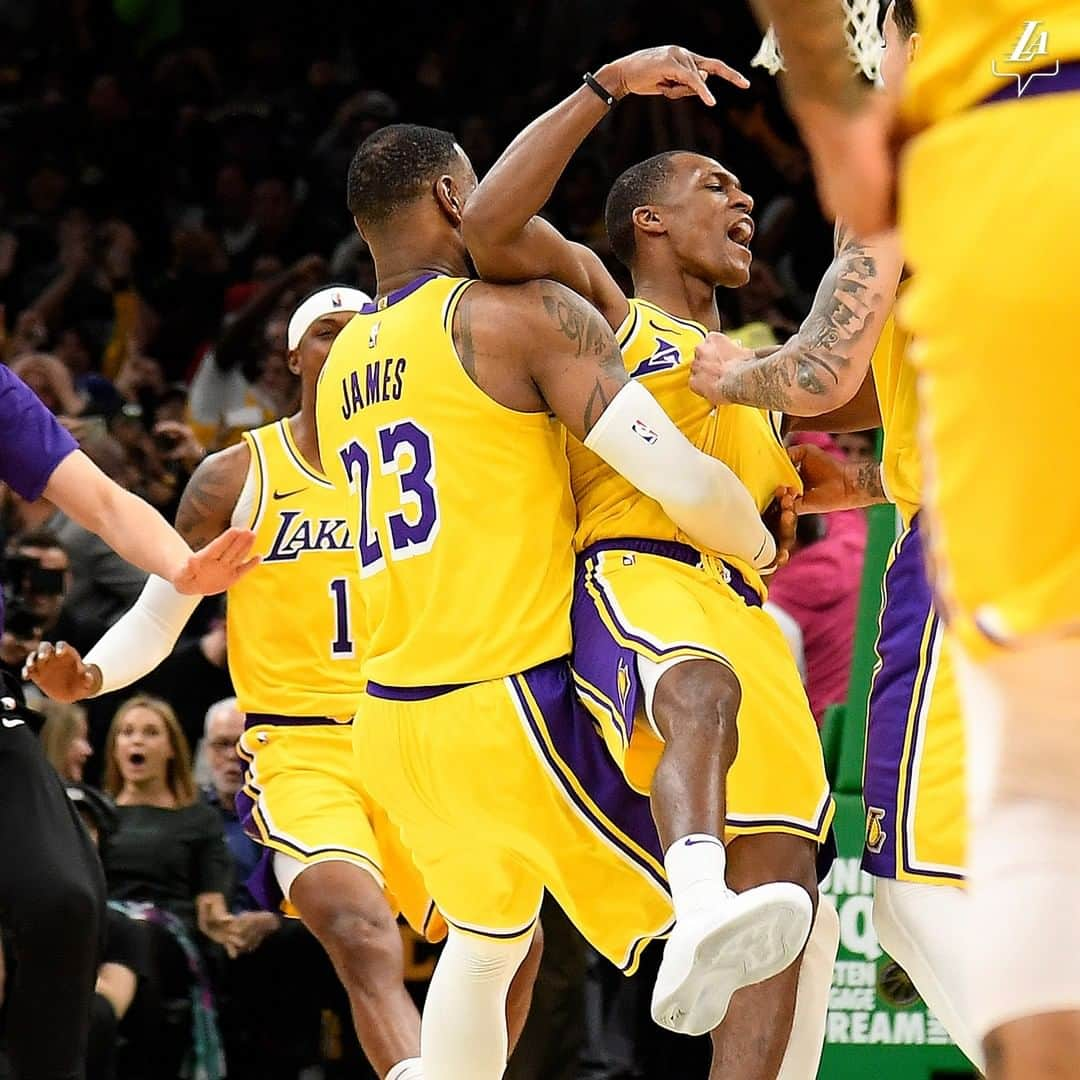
x=864, y=40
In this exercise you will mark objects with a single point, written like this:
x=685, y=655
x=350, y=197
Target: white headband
x=324, y=302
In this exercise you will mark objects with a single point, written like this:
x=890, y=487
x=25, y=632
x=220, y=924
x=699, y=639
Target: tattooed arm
x=148, y=632
x=540, y=347
x=823, y=365
x=830, y=484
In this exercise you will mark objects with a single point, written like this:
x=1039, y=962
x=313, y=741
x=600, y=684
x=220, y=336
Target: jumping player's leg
x=721, y=941
x=751, y=1042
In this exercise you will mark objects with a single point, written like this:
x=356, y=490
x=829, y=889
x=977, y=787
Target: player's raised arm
x=568, y=360
x=507, y=238
x=147, y=633
x=823, y=365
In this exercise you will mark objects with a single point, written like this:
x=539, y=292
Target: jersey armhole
x=247, y=514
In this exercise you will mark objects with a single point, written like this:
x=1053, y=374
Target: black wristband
x=607, y=98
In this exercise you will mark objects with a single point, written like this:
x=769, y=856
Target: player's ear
x=913, y=44
x=648, y=219
x=449, y=198
x=293, y=360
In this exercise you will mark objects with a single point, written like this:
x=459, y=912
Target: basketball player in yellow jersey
x=692, y=684
x=434, y=411
x=913, y=784
x=293, y=657
x=992, y=109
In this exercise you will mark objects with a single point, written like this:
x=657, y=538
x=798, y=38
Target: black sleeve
x=211, y=865
x=126, y=943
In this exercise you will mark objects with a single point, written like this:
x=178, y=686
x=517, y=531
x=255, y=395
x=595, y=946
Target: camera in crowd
x=26, y=584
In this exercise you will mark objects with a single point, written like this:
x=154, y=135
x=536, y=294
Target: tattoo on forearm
x=868, y=480
x=814, y=360
x=206, y=504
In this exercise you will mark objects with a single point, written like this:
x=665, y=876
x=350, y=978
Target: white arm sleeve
x=143, y=637
x=699, y=493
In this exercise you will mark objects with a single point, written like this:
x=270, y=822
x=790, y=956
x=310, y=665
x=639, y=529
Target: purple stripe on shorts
x=576, y=747
x=411, y=693
x=1055, y=79
x=254, y=719
x=908, y=606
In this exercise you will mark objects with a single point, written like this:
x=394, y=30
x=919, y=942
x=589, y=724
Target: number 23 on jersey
x=406, y=450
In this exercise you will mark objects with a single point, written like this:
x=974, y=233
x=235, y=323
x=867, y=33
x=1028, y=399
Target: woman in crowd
x=167, y=863
x=65, y=738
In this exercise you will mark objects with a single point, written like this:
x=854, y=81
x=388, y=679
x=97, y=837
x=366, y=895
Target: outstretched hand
x=217, y=566
x=669, y=70
x=59, y=672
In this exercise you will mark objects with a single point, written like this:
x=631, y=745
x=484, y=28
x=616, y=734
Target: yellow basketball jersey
x=658, y=348
x=292, y=648
x=970, y=48
x=895, y=380
x=465, y=516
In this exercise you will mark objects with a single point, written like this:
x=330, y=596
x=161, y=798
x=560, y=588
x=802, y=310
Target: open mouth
x=137, y=759
x=742, y=232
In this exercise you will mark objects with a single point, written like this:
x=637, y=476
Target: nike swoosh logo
x=286, y=494
x=8, y=722
x=705, y=840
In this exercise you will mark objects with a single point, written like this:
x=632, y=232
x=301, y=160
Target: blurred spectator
x=168, y=865
x=65, y=737
x=270, y=1031
x=818, y=591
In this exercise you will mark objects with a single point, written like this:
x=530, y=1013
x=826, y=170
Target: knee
x=699, y=700
x=362, y=939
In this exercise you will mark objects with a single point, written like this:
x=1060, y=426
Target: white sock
x=695, y=867
x=410, y=1069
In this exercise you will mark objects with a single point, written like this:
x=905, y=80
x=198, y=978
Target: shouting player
x=693, y=684
x=435, y=410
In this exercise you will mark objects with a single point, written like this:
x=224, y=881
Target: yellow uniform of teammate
x=988, y=305
x=643, y=591
x=462, y=593
x=293, y=659
x=914, y=767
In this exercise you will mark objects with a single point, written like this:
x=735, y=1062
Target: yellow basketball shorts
x=301, y=796
x=502, y=790
x=658, y=600
x=989, y=208
x=914, y=782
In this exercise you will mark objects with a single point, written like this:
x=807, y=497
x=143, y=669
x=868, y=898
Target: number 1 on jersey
x=398, y=442
x=341, y=648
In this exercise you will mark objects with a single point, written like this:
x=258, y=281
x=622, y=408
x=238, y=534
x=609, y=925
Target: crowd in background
x=171, y=185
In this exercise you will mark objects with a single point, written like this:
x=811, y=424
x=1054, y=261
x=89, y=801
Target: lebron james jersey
x=658, y=348
x=895, y=381
x=971, y=48
x=462, y=509
x=292, y=649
